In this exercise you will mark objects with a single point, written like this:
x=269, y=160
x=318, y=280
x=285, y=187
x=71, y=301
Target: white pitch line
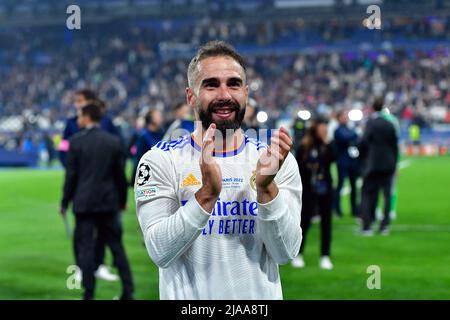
x=346, y=190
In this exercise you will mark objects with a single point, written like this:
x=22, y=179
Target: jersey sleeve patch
x=144, y=174
x=145, y=193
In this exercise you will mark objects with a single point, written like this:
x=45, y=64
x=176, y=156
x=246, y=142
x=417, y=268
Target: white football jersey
x=231, y=253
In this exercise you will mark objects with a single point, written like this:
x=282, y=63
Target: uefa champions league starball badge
x=144, y=174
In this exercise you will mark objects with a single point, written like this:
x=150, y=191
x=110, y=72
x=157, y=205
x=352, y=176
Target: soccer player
x=219, y=211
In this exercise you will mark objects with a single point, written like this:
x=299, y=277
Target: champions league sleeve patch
x=144, y=174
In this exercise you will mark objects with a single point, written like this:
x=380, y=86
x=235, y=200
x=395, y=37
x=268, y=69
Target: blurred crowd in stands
x=138, y=66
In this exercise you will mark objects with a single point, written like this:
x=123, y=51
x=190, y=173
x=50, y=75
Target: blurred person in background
x=96, y=184
x=182, y=124
x=345, y=141
x=299, y=127
x=250, y=124
x=414, y=134
x=149, y=136
x=333, y=124
x=131, y=146
x=82, y=98
x=379, y=155
x=314, y=157
x=28, y=145
x=394, y=195
x=49, y=148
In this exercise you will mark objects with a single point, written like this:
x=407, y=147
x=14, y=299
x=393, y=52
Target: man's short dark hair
x=87, y=94
x=378, y=104
x=93, y=111
x=212, y=49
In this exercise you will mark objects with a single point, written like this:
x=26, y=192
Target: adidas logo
x=190, y=180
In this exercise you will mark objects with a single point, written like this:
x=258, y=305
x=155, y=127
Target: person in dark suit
x=81, y=98
x=345, y=141
x=95, y=182
x=379, y=153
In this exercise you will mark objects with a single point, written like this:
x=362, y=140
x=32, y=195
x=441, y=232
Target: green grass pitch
x=414, y=259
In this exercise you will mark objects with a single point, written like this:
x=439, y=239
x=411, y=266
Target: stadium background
x=315, y=56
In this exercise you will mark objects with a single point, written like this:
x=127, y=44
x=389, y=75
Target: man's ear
x=190, y=97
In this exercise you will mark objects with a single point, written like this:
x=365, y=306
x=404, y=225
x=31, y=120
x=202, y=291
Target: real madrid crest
x=253, y=180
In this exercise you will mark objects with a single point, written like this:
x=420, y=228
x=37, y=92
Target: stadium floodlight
x=262, y=116
x=304, y=115
x=355, y=115
x=254, y=86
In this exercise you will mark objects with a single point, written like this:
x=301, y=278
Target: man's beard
x=222, y=125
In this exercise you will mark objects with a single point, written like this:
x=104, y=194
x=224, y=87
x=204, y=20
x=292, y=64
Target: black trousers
x=372, y=185
x=89, y=227
x=352, y=173
x=99, y=251
x=321, y=204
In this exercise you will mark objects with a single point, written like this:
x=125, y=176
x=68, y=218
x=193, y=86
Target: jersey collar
x=223, y=154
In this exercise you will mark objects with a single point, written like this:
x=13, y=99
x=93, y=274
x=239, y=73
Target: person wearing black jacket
x=81, y=98
x=95, y=182
x=345, y=142
x=314, y=157
x=379, y=153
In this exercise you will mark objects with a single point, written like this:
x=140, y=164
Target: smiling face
x=219, y=93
